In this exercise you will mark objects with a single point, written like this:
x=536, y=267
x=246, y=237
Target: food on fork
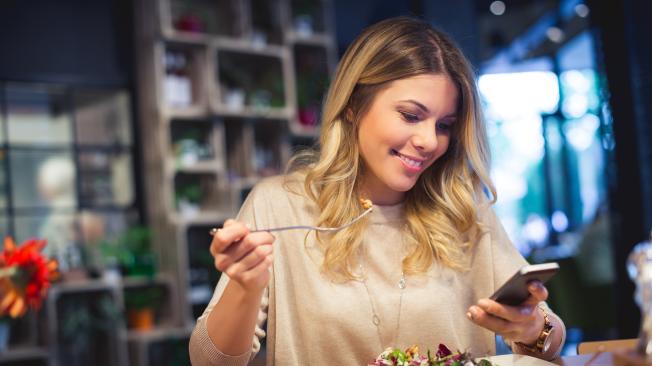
x=366, y=203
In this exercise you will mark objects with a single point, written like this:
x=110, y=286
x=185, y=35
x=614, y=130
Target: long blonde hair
x=441, y=208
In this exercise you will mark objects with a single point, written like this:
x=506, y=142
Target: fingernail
x=469, y=315
x=536, y=285
x=526, y=311
x=474, y=310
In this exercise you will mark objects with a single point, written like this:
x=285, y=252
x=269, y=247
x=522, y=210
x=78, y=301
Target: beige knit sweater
x=311, y=321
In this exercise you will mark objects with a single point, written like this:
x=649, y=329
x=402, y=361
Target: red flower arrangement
x=25, y=276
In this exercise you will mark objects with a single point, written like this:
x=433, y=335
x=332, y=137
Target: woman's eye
x=446, y=127
x=409, y=117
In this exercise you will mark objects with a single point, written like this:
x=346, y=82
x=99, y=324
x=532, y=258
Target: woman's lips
x=410, y=163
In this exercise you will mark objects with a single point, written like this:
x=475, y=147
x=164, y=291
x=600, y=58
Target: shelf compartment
x=202, y=274
x=172, y=349
x=266, y=23
x=194, y=145
x=249, y=82
x=203, y=17
x=308, y=18
x=161, y=346
x=183, y=88
x=138, y=291
x=312, y=79
x=24, y=334
x=86, y=324
x=271, y=147
x=25, y=356
x=196, y=193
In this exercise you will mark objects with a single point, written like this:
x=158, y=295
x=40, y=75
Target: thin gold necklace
x=375, y=319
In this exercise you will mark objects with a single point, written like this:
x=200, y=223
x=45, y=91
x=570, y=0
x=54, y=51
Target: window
x=67, y=167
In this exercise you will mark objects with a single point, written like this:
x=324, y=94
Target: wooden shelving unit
x=226, y=91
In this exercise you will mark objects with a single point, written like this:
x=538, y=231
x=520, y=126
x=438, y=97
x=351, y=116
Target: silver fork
x=308, y=227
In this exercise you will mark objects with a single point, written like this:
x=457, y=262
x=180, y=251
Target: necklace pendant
x=401, y=283
x=376, y=320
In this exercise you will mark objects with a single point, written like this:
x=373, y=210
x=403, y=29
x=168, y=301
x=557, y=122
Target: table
x=591, y=359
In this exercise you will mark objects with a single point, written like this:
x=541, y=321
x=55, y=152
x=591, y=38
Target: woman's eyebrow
x=419, y=105
x=425, y=109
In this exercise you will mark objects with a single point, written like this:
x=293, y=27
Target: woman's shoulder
x=277, y=201
x=484, y=209
x=289, y=185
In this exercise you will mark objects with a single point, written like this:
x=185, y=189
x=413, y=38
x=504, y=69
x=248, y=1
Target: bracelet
x=543, y=342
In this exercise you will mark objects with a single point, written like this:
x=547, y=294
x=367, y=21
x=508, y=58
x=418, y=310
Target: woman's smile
x=411, y=164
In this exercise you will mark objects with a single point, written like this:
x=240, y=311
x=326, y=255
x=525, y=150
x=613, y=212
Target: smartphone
x=515, y=292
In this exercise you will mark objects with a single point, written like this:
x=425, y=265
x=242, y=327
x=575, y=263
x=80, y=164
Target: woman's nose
x=425, y=138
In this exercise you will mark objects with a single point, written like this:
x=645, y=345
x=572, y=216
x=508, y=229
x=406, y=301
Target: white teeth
x=410, y=162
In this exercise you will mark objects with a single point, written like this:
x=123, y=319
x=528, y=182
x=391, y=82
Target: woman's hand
x=245, y=257
x=522, y=323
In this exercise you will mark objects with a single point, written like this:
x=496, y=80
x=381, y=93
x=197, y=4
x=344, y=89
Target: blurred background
x=128, y=129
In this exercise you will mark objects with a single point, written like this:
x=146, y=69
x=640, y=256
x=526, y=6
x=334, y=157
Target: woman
x=401, y=127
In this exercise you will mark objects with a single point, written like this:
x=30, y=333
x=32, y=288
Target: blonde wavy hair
x=441, y=208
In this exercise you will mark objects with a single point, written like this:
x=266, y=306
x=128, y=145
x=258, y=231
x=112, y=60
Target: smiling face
x=406, y=129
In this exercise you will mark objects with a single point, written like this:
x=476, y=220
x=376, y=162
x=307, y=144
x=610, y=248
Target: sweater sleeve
x=506, y=261
x=203, y=351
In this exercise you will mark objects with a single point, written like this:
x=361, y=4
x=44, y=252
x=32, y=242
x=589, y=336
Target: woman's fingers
x=260, y=273
x=250, y=260
x=514, y=330
x=235, y=252
x=482, y=318
x=231, y=232
x=538, y=292
x=243, y=256
x=506, y=312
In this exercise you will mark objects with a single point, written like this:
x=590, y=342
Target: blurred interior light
x=576, y=81
x=526, y=138
x=535, y=230
x=513, y=96
x=582, y=10
x=575, y=105
x=555, y=34
x=559, y=221
x=510, y=187
x=554, y=140
x=497, y=7
x=581, y=132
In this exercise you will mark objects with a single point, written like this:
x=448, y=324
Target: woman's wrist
x=232, y=321
x=535, y=333
x=549, y=342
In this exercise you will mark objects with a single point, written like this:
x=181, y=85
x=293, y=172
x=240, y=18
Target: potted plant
x=141, y=305
x=132, y=252
x=188, y=198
